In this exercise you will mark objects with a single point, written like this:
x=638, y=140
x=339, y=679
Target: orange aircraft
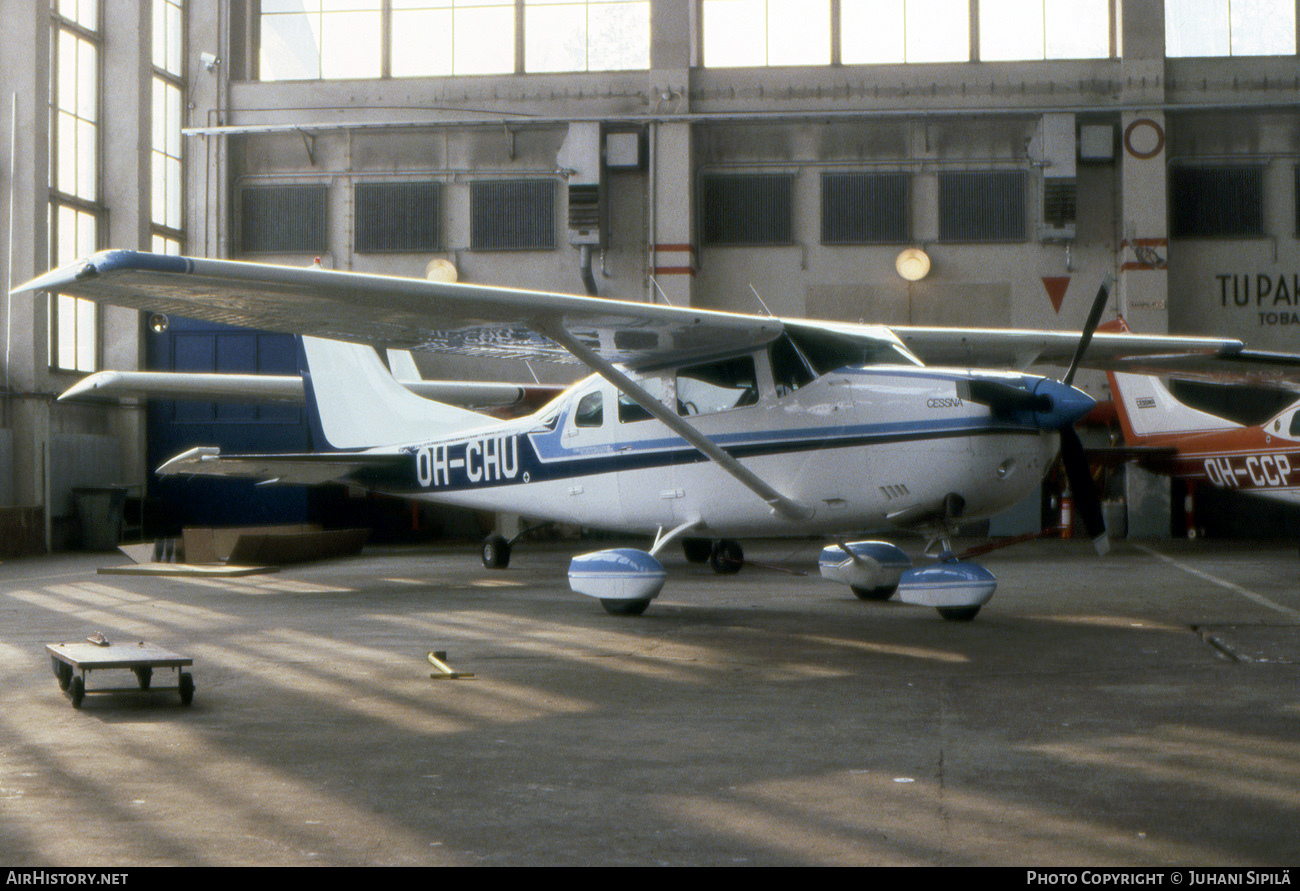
x=1167, y=436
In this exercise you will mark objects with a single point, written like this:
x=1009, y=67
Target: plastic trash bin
x=99, y=515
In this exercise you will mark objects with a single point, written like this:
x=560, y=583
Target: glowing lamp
x=440, y=270
x=913, y=264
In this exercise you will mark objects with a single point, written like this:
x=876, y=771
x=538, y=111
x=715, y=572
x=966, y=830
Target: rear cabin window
x=716, y=386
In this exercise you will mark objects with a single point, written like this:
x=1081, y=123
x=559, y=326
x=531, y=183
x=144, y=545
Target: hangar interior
x=748, y=155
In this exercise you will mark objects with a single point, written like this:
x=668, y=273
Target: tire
x=727, y=557
x=77, y=690
x=187, y=688
x=625, y=607
x=958, y=613
x=62, y=673
x=697, y=550
x=496, y=552
x=874, y=594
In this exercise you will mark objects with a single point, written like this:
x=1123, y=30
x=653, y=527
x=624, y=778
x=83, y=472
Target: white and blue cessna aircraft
x=698, y=426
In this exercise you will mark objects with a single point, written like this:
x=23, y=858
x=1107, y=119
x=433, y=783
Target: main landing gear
x=725, y=556
x=496, y=547
x=496, y=551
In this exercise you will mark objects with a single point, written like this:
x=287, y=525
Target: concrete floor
x=1138, y=709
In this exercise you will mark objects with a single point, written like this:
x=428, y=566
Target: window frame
x=394, y=23
x=164, y=235
x=65, y=310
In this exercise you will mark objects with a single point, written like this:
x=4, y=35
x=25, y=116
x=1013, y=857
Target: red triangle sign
x=1056, y=287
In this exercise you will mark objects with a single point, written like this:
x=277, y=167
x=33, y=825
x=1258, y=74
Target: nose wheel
x=496, y=552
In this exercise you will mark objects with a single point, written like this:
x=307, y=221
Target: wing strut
x=778, y=502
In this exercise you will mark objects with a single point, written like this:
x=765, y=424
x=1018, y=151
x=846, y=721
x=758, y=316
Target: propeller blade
x=1086, y=499
x=1094, y=317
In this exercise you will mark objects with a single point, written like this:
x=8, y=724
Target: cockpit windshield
x=829, y=350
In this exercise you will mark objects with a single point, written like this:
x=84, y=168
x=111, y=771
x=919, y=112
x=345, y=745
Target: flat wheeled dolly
x=71, y=663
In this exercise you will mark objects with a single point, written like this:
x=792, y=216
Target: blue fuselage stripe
x=508, y=459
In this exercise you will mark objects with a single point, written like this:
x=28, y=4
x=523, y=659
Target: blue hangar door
x=175, y=426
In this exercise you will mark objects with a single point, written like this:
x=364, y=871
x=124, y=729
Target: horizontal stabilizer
x=303, y=469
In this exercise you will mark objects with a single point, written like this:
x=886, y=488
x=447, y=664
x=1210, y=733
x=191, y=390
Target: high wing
x=404, y=313
x=1207, y=359
x=1252, y=367
x=476, y=319
x=1019, y=349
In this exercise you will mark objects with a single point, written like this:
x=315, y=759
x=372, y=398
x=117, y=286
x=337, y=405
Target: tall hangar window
x=1019, y=30
x=873, y=32
x=586, y=35
x=168, y=100
x=340, y=39
x=1230, y=28
x=320, y=39
x=439, y=37
x=75, y=208
x=751, y=33
x=1208, y=202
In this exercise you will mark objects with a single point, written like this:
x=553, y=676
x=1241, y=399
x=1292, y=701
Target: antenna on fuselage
x=760, y=301
x=661, y=291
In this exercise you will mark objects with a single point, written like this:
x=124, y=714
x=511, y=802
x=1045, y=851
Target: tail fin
x=354, y=402
x=1146, y=408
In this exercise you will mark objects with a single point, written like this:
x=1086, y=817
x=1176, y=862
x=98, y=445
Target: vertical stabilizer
x=1146, y=409
x=354, y=402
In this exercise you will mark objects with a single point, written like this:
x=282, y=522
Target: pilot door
x=598, y=459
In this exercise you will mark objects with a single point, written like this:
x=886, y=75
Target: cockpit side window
x=717, y=386
x=629, y=412
x=1295, y=425
x=590, y=411
x=789, y=370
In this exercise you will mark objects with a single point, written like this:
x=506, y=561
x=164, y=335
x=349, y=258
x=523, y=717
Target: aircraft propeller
x=1056, y=405
x=1086, y=497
